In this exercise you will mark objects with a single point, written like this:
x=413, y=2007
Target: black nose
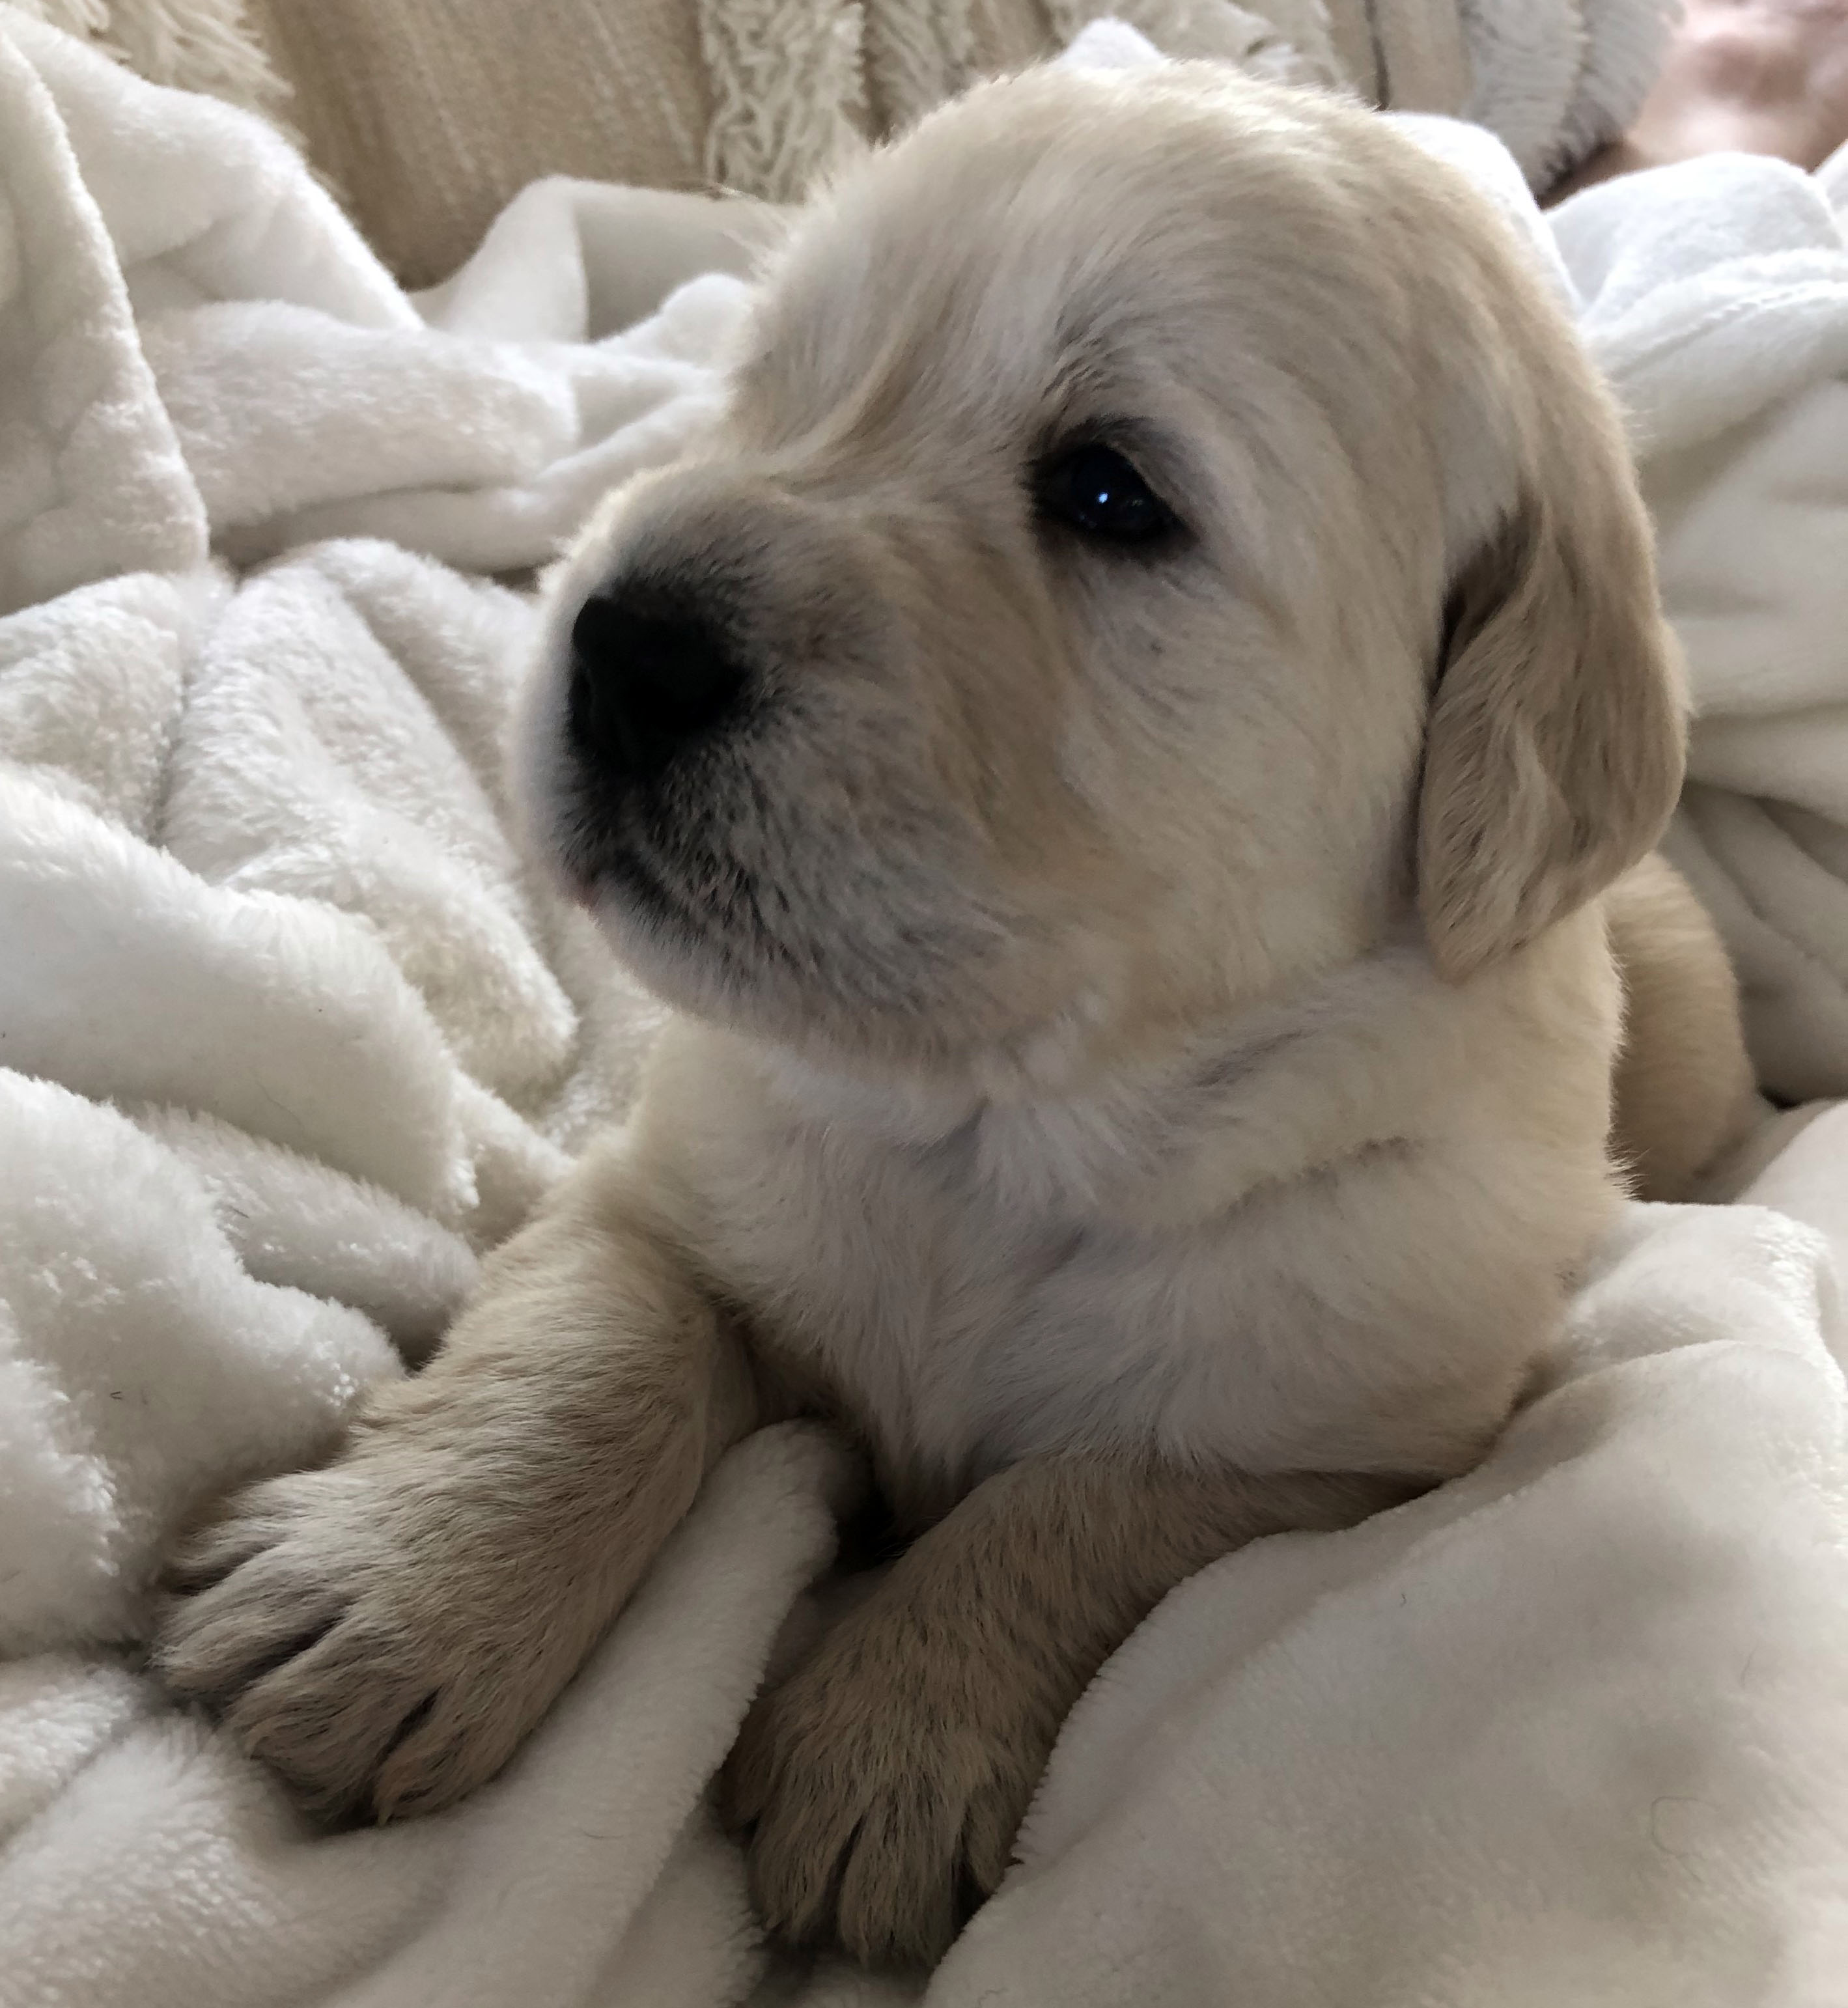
x=649, y=673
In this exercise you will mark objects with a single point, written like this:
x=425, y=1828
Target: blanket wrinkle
x=292, y=1034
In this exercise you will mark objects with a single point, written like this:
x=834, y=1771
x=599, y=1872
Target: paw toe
x=213, y=1644
x=328, y=1718
x=899, y=1890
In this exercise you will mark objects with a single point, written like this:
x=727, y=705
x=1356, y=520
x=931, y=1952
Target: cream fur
x=1148, y=1023
x=1686, y=1096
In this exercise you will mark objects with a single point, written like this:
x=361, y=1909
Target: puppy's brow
x=1087, y=362
x=1096, y=385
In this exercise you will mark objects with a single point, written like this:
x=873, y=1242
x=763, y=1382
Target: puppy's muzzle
x=651, y=673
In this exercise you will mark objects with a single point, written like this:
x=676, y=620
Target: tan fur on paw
x=353, y=1629
x=883, y=1784
x=385, y=1632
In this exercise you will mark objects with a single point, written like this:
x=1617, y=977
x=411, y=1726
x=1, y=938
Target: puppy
x=1115, y=748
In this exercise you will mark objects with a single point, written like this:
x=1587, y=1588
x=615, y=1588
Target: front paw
x=883, y=1784
x=352, y=1628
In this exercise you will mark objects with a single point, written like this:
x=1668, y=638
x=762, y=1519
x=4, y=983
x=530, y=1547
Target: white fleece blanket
x=289, y=1035
x=1716, y=296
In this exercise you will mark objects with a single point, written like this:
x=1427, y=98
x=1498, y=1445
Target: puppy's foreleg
x=385, y=1630
x=886, y=1779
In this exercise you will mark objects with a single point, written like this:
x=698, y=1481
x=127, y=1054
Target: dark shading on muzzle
x=652, y=672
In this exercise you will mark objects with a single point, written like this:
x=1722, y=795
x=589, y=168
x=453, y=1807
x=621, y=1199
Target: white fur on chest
x=967, y=1333
x=1321, y=1248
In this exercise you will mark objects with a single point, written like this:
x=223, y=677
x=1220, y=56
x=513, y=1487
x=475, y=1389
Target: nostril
x=648, y=677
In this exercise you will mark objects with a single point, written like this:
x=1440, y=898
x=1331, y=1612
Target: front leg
x=885, y=1780
x=386, y=1631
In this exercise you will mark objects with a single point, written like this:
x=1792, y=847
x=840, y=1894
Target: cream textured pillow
x=429, y=115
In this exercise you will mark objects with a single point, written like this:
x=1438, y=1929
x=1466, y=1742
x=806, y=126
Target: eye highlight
x=1097, y=490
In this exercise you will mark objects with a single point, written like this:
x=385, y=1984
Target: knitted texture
x=430, y=115
x=787, y=79
x=916, y=57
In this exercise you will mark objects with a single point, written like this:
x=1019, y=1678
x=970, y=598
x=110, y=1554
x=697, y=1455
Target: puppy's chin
x=664, y=944
x=947, y=1012
x=697, y=970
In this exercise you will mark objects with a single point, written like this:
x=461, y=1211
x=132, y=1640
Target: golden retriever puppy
x=1114, y=747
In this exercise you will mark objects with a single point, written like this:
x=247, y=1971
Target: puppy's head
x=1160, y=541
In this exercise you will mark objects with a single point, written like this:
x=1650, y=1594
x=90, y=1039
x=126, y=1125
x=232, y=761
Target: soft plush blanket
x=288, y=1035
x=1716, y=296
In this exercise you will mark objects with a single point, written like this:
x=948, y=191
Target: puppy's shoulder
x=1387, y=1052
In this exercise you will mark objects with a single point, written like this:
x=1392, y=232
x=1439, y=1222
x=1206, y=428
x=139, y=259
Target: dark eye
x=1095, y=490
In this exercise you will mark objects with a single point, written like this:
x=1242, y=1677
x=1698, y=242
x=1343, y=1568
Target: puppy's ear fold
x=1554, y=755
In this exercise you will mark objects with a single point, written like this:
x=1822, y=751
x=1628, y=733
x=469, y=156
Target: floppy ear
x=1554, y=755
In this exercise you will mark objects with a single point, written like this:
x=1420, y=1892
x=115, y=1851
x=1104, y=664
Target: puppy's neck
x=1275, y=1092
